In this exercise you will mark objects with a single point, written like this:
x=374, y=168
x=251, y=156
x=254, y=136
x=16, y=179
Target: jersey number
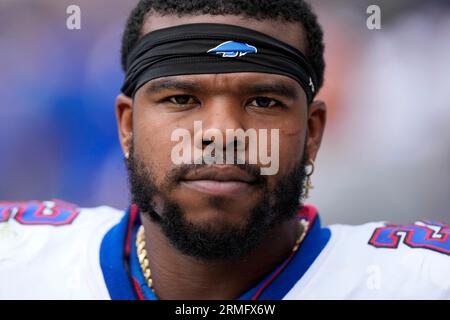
x=55, y=213
x=430, y=235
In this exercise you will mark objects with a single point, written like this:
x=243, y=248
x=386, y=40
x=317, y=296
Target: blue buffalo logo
x=232, y=49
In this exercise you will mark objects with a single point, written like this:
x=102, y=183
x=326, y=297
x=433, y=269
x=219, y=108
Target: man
x=201, y=227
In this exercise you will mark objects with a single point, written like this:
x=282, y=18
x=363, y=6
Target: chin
x=224, y=214
x=201, y=206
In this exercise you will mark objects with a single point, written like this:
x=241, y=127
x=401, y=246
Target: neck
x=178, y=276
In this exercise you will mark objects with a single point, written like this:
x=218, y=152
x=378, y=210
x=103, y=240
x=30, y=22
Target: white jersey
x=53, y=250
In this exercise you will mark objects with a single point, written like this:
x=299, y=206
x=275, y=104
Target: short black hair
x=283, y=10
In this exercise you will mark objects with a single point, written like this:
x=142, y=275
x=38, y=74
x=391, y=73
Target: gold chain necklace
x=142, y=256
x=145, y=265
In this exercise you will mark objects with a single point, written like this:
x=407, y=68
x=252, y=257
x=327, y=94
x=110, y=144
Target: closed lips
x=221, y=181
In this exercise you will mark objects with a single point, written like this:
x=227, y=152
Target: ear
x=124, y=117
x=317, y=115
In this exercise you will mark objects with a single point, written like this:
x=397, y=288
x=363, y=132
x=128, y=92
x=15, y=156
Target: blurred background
x=386, y=150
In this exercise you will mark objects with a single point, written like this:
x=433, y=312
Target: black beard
x=208, y=242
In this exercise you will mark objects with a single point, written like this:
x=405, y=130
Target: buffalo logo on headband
x=232, y=49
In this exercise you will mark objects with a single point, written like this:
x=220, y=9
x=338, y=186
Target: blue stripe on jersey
x=112, y=262
x=312, y=246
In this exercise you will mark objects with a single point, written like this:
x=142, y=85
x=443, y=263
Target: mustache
x=179, y=172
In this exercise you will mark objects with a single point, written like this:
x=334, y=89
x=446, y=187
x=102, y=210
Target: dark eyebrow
x=171, y=84
x=280, y=89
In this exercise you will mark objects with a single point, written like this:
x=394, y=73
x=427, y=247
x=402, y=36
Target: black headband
x=205, y=48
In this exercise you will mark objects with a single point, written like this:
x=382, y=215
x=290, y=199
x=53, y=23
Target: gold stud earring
x=309, y=184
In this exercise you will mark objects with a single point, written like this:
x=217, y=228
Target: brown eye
x=263, y=102
x=183, y=99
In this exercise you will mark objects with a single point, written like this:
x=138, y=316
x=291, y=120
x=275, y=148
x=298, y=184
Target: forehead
x=291, y=33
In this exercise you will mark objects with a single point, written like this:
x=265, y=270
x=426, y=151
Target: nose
x=221, y=117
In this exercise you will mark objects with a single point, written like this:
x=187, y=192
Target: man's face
x=233, y=206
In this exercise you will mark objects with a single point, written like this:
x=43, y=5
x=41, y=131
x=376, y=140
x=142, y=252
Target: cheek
x=290, y=153
x=152, y=143
x=291, y=144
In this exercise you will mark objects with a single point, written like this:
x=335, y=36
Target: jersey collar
x=125, y=281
